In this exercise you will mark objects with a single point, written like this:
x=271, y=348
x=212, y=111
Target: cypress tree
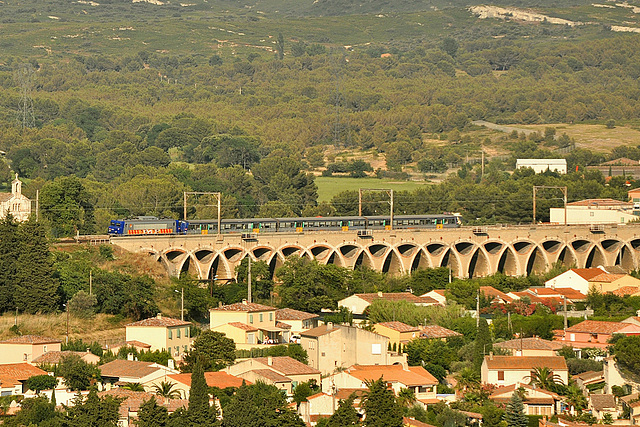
x=483, y=344
x=8, y=260
x=36, y=290
x=345, y=415
x=152, y=415
x=200, y=413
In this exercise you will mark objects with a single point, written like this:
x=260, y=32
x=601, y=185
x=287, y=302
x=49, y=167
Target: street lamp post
x=181, y=303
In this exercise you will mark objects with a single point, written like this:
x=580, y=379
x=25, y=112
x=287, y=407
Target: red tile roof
x=437, y=331
x=519, y=363
x=249, y=307
x=160, y=321
x=399, y=326
x=320, y=330
x=410, y=422
x=20, y=371
x=127, y=368
x=287, y=365
x=512, y=387
x=490, y=291
x=282, y=325
x=218, y=379
x=626, y=290
x=291, y=314
x=31, y=339
x=344, y=393
x=397, y=296
x=606, y=277
x=243, y=326
x=597, y=327
x=571, y=293
x=529, y=344
x=601, y=202
x=271, y=375
x=412, y=376
x=134, y=399
x=603, y=401
x=55, y=357
x=587, y=273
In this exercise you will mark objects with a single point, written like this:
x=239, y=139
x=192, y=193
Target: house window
x=500, y=375
x=251, y=318
x=44, y=348
x=323, y=354
x=186, y=332
x=178, y=333
x=270, y=317
x=170, y=334
x=311, y=345
x=260, y=317
x=24, y=357
x=376, y=348
x=185, y=348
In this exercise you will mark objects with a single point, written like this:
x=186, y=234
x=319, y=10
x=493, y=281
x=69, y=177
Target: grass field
x=330, y=186
x=594, y=137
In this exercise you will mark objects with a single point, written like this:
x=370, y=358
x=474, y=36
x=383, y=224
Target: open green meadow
x=329, y=186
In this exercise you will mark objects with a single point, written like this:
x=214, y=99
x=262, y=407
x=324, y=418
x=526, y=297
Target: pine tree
x=36, y=290
x=8, y=260
x=345, y=415
x=380, y=406
x=152, y=415
x=515, y=416
x=483, y=344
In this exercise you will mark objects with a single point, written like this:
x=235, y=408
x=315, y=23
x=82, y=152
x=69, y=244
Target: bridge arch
x=479, y=264
x=552, y=246
x=508, y=263
x=336, y=259
x=321, y=253
x=363, y=260
x=450, y=259
x=625, y=258
x=421, y=261
x=219, y=269
x=567, y=257
x=349, y=250
x=537, y=262
x=596, y=257
x=392, y=263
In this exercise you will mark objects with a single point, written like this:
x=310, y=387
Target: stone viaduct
x=469, y=251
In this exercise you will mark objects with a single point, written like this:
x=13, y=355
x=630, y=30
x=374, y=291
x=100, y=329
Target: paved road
x=502, y=128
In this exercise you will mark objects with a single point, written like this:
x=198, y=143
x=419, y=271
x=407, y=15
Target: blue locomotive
x=147, y=225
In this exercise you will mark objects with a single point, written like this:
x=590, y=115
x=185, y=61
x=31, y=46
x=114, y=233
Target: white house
x=594, y=211
x=575, y=278
x=542, y=165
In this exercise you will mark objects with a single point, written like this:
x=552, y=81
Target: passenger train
x=148, y=225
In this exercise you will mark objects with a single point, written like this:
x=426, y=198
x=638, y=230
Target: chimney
x=380, y=294
x=88, y=350
x=491, y=355
x=244, y=301
x=130, y=356
x=270, y=360
x=219, y=303
x=171, y=364
x=159, y=315
x=329, y=326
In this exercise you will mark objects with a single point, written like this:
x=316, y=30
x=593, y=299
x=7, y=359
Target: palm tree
x=133, y=387
x=575, y=398
x=544, y=378
x=468, y=379
x=406, y=397
x=165, y=389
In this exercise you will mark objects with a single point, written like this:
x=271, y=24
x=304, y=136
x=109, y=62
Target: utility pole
x=37, y=205
x=210, y=193
x=90, y=281
x=564, y=192
x=478, y=309
x=564, y=297
x=67, y=305
x=182, y=304
x=249, y=280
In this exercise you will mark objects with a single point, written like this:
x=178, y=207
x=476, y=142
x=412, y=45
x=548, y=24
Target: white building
x=594, y=211
x=15, y=203
x=542, y=165
x=575, y=278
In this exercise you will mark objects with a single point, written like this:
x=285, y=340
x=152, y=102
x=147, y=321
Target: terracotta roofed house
x=530, y=347
x=298, y=320
x=507, y=370
x=248, y=324
x=147, y=374
x=132, y=400
x=218, y=379
x=536, y=401
x=437, y=332
x=54, y=357
x=415, y=378
x=14, y=375
x=25, y=348
x=574, y=278
x=494, y=295
x=609, y=282
x=358, y=303
x=594, y=333
x=438, y=295
x=162, y=333
x=397, y=332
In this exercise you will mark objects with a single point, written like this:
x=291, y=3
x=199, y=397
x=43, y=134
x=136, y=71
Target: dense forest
x=105, y=135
